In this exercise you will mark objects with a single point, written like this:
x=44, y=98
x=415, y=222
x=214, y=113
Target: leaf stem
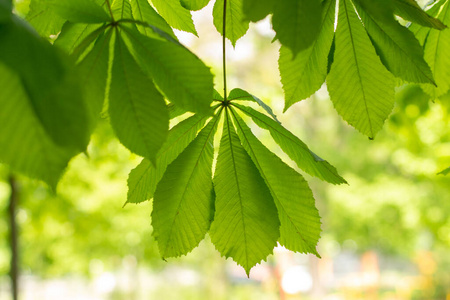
x=224, y=51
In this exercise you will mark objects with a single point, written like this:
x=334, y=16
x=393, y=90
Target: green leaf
x=138, y=112
x=236, y=25
x=176, y=15
x=297, y=23
x=50, y=82
x=444, y=172
x=299, y=218
x=183, y=78
x=239, y=94
x=143, y=11
x=361, y=89
x=303, y=75
x=76, y=38
x=80, y=11
x=256, y=10
x=194, y=4
x=183, y=205
x=397, y=47
x=411, y=11
x=143, y=179
x=121, y=9
x=305, y=159
x=246, y=225
x=217, y=96
x=24, y=144
x=94, y=71
x=436, y=54
x=175, y=111
x=5, y=10
x=44, y=18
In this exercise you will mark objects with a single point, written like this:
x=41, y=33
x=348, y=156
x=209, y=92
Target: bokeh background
x=386, y=235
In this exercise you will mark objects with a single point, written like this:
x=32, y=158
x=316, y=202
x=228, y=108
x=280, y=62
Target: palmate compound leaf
x=360, y=87
x=297, y=23
x=80, y=11
x=24, y=144
x=305, y=159
x=397, y=47
x=411, y=11
x=194, y=4
x=303, y=75
x=436, y=54
x=50, y=82
x=183, y=78
x=175, y=14
x=137, y=110
x=299, y=218
x=143, y=11
x=143, y=179
x=183, y=204
x=246, y=225
x=235, y=24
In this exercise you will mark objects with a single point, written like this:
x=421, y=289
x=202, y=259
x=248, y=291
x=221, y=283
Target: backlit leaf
x=397, y=47
x=360, y=87
x=183, y=204
x=305, y=159
x=236, y=25
x=183, y=78
x=143, y=179
x=305, y=73
x=175, y=14
x=297, y=23
x=138, y=112
x=299, y=218
x=245, y=225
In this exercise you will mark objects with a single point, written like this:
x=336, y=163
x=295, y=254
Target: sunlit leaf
x=194, y=4
x=411, y=11
x=81, y=11
x=305, y=73
x=305, y=159
x=256, y=10
x=361, y=89
x=143, y=179
x=246, y=225
x=143, y=11
x=239, y=94
x=397, y=47
x=297, y=23
x=183, y=78
x=138, y=112
x=299, y=218
x=175, y=14
x=436, y=54
x=183, y=204
x=235, y=24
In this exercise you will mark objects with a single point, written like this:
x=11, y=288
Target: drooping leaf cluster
x=253, y=199
x=121, y=59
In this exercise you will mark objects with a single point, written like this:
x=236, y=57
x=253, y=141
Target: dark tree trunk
x=13, y=238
